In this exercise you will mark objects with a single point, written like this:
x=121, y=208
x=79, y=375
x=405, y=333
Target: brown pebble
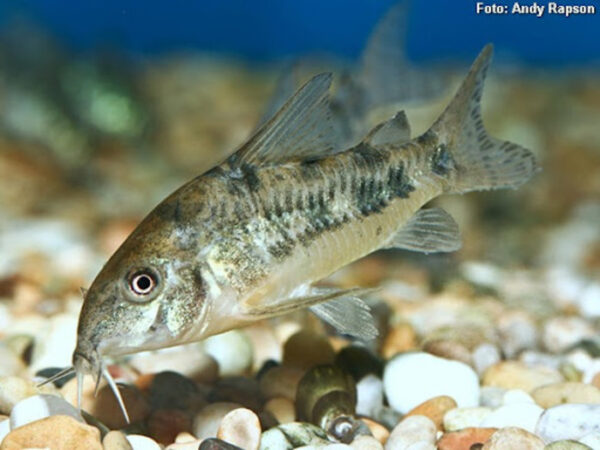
x=465, y=438
x=240, y=427
x=55, y=432
x=165, y=424
x=401, y=338
x=434, y=408
x=511, y=438
x=379, y=432
x=116, y=440
x=282, y=409
x=449, y=349
x=305, y=350
x=596, y=380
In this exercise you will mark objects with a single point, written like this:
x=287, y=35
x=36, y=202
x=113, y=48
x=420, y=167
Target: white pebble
x=4, y=429
x=592, y=440
x=40, y=406
x=514, y=396
x=589, y=306
x=274, y=439
x=369, y=391
x=410, y=379
x=491, y=396
x=484, y=356
x=569, y=421
x=206, y=422
x=140, y=442
x=412, y=430
x=363, y=442
x=459, y=418
x=521, y=415
x=232, y=350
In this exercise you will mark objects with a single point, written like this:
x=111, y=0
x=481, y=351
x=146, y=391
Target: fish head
x=148, y=295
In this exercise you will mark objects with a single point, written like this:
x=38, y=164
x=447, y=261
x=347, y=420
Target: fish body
x=246, y=240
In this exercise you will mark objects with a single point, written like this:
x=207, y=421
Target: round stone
x=516, y=375
x=232, y=351
x=434, y=408
x=141, y=442
x=240, y=427
x=512, y=438
x=412, y=378
x=40, y=406
x=565, y=392
x=369, y=391
x=522, y=415
x=206, y=422
x=15, y=389
x=459, y=418
x=569, y=421
x=465, y=438
x=410, y=431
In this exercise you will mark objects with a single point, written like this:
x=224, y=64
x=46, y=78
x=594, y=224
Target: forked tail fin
x=482, y=162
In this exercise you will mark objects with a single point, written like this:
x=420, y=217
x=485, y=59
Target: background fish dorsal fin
x=300, y=130
x=395, y=131
x=429, y=231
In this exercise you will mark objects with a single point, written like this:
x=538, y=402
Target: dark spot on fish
x=441, y=161
x=398, y=183
x=250, y=177
x=378, y=231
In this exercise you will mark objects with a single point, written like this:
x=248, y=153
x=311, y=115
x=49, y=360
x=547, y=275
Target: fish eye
x=143, y=282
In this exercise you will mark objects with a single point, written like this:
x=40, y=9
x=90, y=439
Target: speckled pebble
x=410, y=431
x=116, y=440
x=592, y=440
x=55, y=432
x=512, y=438
x=40, y=406
x=565, y=392
x=522, y=415
x=562, y=332
x=459, y=418
x=569, y=421
x=412, y=378
x=240, y=427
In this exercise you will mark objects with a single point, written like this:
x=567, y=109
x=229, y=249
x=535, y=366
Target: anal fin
x=429, y=231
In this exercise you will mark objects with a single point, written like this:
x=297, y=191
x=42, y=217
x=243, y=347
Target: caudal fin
x=482, y=162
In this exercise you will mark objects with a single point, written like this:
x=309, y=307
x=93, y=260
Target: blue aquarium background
x=269, y=30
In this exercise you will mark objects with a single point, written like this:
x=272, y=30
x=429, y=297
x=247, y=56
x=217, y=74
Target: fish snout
x=86, y=360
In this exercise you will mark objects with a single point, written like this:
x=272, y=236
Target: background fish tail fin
x=481, y=161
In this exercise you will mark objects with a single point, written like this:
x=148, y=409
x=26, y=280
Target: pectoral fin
x=343, y=309
x=429, y=231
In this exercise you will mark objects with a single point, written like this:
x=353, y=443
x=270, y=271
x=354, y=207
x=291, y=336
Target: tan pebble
x=596, y=380
x=206, y=423
x=184, y=437
x=280, y=381
x=264, y=343
x=512, y=438
x=69, y=391
x=401, y=338
x=55, y=432
x=465, y=438
x=115, y=440
x=189, y=445
x=366, y=443
x=165, y=424
x=378, y=431
x=448, y=349
x=412, y=430
x=240, y=427
x=565, y=392
x=516, y=375
x=459, y=418
x=567, y=445
x=14, y=389
x=305, y=349
x=12, y=364
x=282, y=408
x=435, y=408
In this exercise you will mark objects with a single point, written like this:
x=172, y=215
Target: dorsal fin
x=395, y=131
x=300, y=130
